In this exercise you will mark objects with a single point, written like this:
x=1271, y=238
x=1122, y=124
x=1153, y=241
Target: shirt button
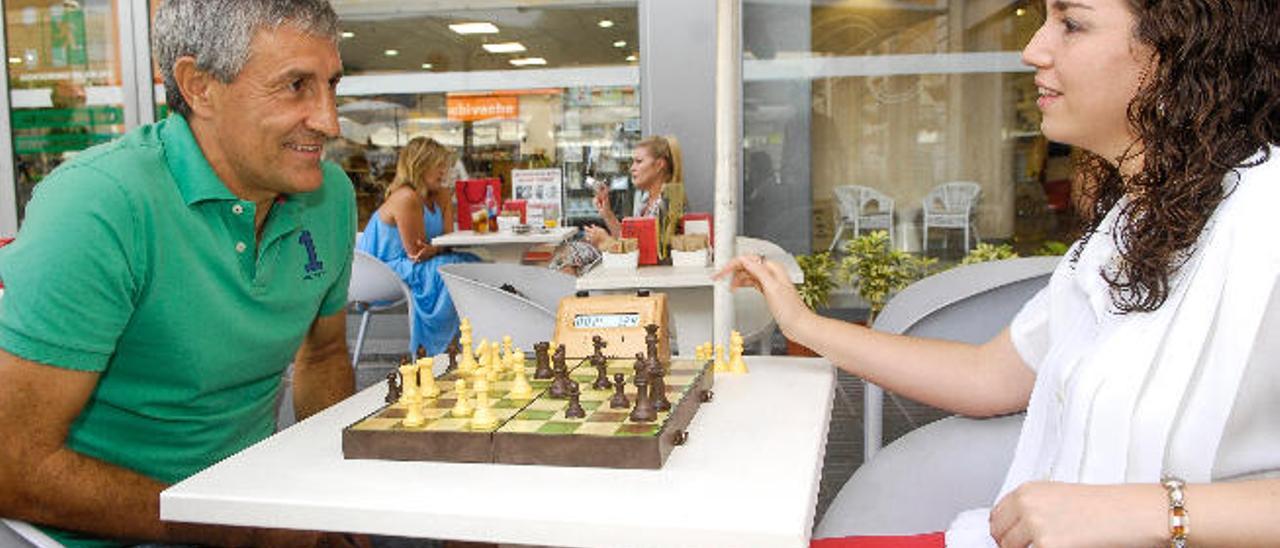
x=237, y=209
x=240, y=247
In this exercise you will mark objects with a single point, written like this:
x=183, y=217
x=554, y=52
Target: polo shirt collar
x=195, y=177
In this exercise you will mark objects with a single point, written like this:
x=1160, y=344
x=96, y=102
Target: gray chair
x=528, y=315
x=375, y=287
x=20, y=534
x=921, y=481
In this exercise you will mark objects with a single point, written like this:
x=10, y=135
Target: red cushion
x=930, y=540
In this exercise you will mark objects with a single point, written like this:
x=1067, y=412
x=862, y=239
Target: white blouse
x=1191, y=389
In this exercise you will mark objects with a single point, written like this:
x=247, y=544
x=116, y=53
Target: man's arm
x=322, y=374
x=42, y=481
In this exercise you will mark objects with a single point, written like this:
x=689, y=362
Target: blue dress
x=435, y=319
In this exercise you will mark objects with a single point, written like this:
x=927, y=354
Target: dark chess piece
x=658, y=387
x=560, y=381
x=575, y=410
x=453, y=351
x=619, y=399
x=651, y=340
x=602, y=374
x=393, y=387
x=639, y=365
x=557, y=358
x=643, y=411
x=543, y=361
x=422, y=352
x=599, y=344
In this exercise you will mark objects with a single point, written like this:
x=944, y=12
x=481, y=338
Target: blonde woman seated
x=657, y=175
x=418, y=207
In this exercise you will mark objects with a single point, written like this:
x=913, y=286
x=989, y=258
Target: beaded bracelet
x=1179, y=520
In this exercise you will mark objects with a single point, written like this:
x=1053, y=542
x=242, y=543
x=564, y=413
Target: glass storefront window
x=898, y=97
x=64, y=83
x=527, y=88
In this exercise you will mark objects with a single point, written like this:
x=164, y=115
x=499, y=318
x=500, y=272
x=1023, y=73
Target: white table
x=689, y=289
x=504, y=247
x=747, y=477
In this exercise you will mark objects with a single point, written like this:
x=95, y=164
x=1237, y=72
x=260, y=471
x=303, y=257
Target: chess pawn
x=506, y=346
x=520, y=388
x=413, y=418
x=575, y=410
x=720, y=365
x=619, y=399
x=483, y=419
x=409, y=380
x=461, y=408
x=736, y=363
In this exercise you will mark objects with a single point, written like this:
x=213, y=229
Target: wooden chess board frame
x=528, y=431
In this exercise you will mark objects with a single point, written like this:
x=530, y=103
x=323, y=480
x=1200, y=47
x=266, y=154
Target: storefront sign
x=470, y=108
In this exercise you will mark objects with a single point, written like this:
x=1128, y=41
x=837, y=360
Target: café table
x=747, y=476
x=689, y=289
x=504, y=246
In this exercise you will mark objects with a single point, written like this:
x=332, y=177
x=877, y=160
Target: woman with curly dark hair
x=1150, y=365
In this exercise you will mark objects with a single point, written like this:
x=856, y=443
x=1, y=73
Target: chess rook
x=543, y=360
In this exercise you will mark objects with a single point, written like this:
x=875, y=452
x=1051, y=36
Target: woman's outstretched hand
x=771, y=280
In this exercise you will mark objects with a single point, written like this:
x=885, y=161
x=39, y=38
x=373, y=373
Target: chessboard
x=536, y=429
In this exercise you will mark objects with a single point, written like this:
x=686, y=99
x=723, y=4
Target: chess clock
x=619, y=319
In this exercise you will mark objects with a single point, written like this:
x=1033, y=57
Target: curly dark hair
x=1208, y=106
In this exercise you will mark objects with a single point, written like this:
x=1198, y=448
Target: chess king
x=217, y=235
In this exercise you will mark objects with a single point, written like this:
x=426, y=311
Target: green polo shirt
x=137, y=263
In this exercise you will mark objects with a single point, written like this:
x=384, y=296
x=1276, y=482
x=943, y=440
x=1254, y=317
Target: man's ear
x=197, y=86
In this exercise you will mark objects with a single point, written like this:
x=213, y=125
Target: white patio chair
x=495, y=312
x=20, y=534
x=862, y=208
x=969, y=303
x=921, y=481
x=375, y=287
x=950, y=205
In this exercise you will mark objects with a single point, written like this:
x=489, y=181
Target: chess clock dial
x=619, y=319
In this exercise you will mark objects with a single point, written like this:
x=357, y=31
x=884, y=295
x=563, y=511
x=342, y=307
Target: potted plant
x=815, y=291
x=988, y=252
x=876, y=271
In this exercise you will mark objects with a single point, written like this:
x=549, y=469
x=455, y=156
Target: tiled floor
x=388, y=335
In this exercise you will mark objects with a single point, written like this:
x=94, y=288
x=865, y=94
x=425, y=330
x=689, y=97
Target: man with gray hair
x=162, y=283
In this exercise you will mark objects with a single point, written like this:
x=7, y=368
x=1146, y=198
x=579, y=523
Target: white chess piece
x=461, y=408
x=426, y=377
x=468, y=361
x=413, y=418
x=483, y=419
x=409, y=384
x=736, y=363
x=720, y=365
x=520, y=388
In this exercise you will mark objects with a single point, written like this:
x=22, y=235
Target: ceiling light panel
x=528, y=61
x=504, y=47
x=474, y=28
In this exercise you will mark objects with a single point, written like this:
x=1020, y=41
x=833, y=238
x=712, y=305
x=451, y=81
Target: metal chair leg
x=364, y=325
x=836, y=239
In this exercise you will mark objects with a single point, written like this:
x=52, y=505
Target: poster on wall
x=541, y=191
